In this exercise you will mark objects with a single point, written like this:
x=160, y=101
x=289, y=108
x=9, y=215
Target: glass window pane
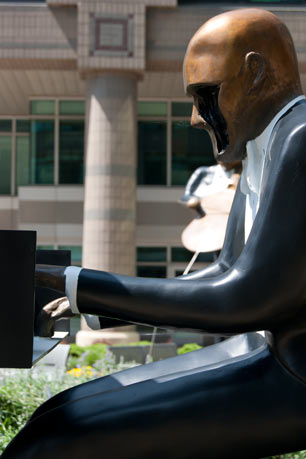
x=5, y=164
x=42, y=107
x=23, y=126
x=151, y=254
x=42, y=152
x=151, y=271
x=5, y=125
x=180, y=254
x=22, y=161
x=76, y=253
x=181, y=109
x=72, y=107
x=191, y=148
x=152, y=140
x=71, y=152
x=152, y=108
x=207, y=257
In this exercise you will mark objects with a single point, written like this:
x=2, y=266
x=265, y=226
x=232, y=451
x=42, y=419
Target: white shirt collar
x=252, y=166
x=262, y=140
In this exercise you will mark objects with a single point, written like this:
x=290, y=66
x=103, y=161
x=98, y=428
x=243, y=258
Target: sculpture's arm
x=265, y=286
x=233, y=242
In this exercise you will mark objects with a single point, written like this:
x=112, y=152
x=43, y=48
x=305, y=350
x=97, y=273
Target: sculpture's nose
x=195, y=203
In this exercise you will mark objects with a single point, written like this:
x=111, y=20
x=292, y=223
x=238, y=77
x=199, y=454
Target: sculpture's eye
x=210, y=112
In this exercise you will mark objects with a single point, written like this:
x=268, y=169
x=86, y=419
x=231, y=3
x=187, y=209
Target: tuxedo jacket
x=257, y=285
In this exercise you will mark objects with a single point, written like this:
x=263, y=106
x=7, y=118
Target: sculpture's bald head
x=241, y=69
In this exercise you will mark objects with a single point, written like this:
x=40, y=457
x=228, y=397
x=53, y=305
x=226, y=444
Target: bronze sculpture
x=245, y=397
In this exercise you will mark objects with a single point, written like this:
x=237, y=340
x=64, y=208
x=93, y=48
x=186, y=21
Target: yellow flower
x=77, y=372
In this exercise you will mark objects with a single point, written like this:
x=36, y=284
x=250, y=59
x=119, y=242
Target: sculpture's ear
x=255, y=66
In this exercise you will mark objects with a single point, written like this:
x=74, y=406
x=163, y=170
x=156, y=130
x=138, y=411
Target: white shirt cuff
x=93, y=322
x=71, y=286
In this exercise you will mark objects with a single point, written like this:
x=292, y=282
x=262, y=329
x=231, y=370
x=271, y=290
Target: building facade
x=95, y=141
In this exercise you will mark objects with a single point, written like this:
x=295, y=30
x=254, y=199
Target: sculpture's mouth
x=210, y=112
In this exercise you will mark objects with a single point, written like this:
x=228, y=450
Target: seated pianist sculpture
x=241, y=70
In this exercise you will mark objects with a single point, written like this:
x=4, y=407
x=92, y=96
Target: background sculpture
x=210, y=192
x=245, y=396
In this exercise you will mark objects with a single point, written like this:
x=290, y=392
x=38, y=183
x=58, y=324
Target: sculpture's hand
x=49, y=314
x=50, y=276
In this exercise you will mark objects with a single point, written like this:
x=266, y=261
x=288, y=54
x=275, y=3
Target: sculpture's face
x=214, y=107
x=229, y=74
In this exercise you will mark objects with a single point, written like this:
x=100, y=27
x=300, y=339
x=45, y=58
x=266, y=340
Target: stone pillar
x=110, y=174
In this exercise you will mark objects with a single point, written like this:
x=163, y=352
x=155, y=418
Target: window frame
x=170, y=265
x=56, y=118
x=169, y=119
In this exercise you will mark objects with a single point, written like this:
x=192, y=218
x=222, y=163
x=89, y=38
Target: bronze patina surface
x=246, y=58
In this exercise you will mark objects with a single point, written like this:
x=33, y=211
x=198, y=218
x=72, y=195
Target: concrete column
x=110, y=174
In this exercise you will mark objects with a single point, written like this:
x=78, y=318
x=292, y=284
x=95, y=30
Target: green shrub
x=21, y=393
x=298, y=455
x=88, y=355
x=85, y=356
x=189, y=347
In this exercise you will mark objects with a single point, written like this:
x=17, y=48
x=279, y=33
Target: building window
x=72, y=107
x=23, y=126
x=42, y=152
x=180, y=254
x=23, y=166
x=152, y=271
x=148, y=254
x=71, y=151
x=5, y=125
x=5, y=164
x=168, y=261
x=152, y=109
x=76, y=253
x=191, y=148
x=169, y=149
x=179, y=109
x=152, y=147
x=49, y=145
x=151, y=261
x=42, y=107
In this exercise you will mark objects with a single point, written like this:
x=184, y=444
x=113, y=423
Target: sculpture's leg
x=247, y=407
x=232, y=347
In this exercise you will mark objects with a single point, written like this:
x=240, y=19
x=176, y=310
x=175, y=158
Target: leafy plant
x=189, y=347
x=85, y=356
x=22, y=391
x=88, y=355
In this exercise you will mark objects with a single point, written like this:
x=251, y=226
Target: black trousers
x=237, y=405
